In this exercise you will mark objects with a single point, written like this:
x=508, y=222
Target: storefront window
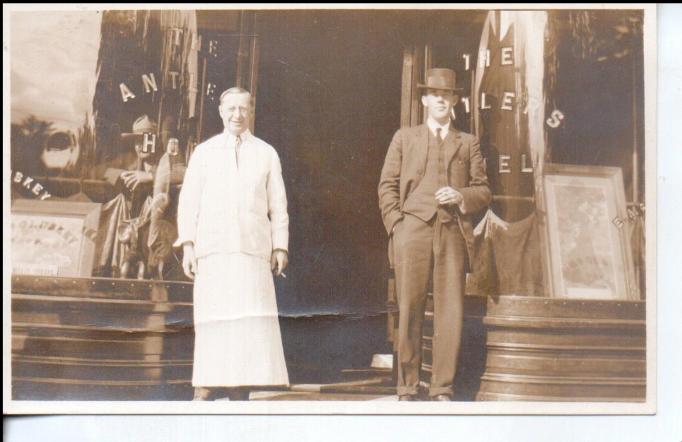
x=107, y=107
x=53, y=79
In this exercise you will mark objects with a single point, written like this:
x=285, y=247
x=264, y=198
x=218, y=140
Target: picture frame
x=585, y=233
x=54, y=238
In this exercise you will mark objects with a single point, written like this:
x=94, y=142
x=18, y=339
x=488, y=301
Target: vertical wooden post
x=242, y=51
x=640, y=263
x=253, y=74
x=409, y=55
x=635, y=153
x=472, y=91
x=202, y=102
x=428, y=63
x=417, y=75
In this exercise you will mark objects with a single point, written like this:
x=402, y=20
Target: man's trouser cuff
x=440, y=390
x=402, y=391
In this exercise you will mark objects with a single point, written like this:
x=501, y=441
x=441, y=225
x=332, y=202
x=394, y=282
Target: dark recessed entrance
x=329, y=101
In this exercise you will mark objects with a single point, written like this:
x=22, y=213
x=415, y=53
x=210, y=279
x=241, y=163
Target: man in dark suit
x=432, y=181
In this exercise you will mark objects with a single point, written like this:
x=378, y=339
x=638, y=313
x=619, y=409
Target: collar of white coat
x=232, y=139
x=433, y=125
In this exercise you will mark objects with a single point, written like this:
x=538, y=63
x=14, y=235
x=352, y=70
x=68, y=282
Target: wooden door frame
x=246, y=75
x=417, y=59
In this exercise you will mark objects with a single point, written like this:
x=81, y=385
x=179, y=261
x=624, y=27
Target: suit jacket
x=405, y=166
x=225, y=208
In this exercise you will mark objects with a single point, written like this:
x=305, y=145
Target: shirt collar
x=433, y=125
x=232, y=140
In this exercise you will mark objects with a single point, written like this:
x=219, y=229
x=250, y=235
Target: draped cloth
x=110, y=250
x=508, y=258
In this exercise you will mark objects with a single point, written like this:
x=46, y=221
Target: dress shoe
x=442, y=398
x=202, y=394
x=407, y=397
x=238, y=394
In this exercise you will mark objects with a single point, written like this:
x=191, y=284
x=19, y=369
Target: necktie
x=438, y=135
x=443, y=214
x=237, y=145
x=442, y=180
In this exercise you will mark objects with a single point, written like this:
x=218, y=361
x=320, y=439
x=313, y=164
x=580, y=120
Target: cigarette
x=284, y=275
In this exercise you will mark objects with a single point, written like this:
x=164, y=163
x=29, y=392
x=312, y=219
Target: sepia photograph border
x=372, y=407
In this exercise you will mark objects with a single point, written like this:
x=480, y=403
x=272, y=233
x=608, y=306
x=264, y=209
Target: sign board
x=54, y=238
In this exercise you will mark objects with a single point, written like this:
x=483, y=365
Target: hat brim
x=425, y=86
x=130, y=136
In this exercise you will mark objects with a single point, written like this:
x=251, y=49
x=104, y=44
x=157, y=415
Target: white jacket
x=228, y=208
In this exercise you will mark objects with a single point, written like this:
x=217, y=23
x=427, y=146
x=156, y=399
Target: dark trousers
x=424, y=250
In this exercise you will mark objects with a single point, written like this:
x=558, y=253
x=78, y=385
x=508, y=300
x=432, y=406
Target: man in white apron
x=234, y=229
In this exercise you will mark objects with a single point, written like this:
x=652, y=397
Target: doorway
x=329, y=102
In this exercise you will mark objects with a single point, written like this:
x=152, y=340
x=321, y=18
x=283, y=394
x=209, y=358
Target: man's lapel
x=452, y=144
x=422, y=146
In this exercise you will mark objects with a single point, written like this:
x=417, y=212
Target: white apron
x=235, y=216
x=237, y=336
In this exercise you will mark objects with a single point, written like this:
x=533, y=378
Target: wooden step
x=103, y=288
x=135, y=315
x=117, y=344
x=113, y=371
x=358, y=374
x=57, y=389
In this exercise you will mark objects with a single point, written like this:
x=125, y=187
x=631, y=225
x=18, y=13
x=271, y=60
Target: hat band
x=439, y=83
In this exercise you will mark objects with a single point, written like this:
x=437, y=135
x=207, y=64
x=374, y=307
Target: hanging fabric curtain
x=529, y=44
x=179, y=61
x=509, y=104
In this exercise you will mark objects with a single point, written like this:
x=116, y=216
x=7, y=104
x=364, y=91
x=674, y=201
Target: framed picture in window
x=54, y=238
x=586, y=233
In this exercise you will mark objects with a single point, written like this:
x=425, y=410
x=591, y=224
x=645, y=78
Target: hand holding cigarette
x=278, y=262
